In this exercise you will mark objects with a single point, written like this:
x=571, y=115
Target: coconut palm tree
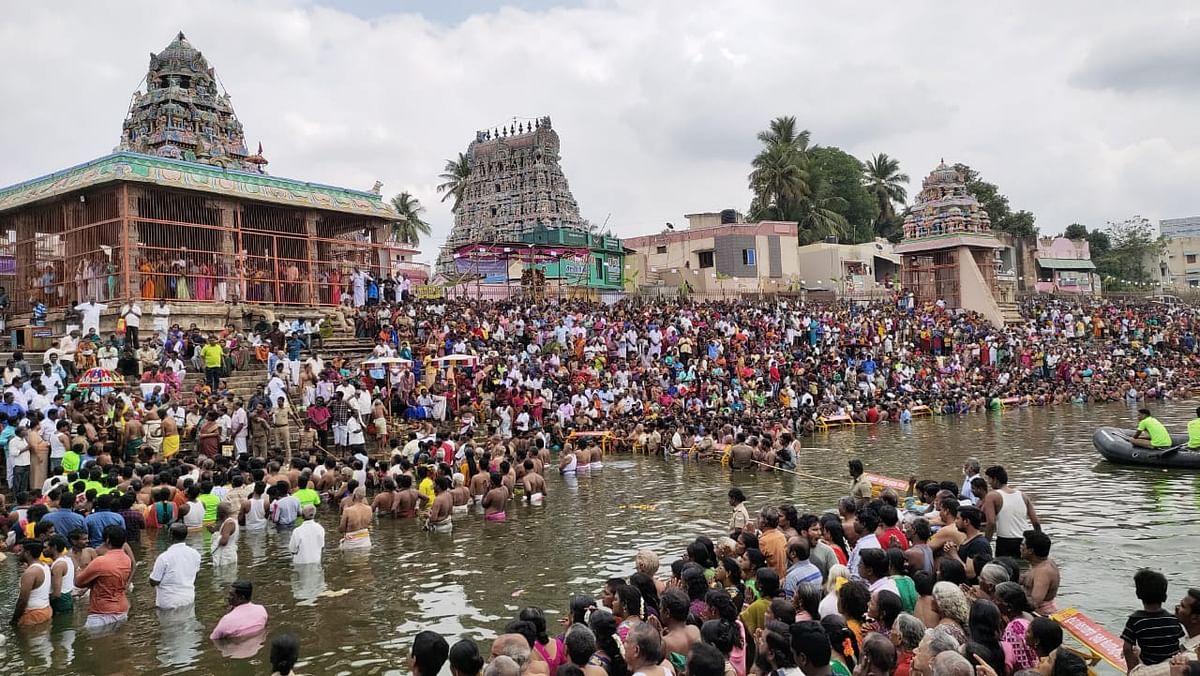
x=409, y=227
x=818, y=218
x=779, y=180
x=883, y=179
x=454, y=180
x=782, y=132
x=780, y=177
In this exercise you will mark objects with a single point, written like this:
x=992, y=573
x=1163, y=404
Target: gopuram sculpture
x=515, y=185
x=944, y=207
x=182, y=116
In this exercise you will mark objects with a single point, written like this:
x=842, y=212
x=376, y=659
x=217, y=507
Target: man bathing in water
x=385, y=500
x=493, y=501
x=535, y=485
x=442, y=509
x=355, y=525
x=407, y=499
x=460, y=494
x=480, y=480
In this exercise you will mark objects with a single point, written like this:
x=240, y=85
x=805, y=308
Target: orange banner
x=1092, y=635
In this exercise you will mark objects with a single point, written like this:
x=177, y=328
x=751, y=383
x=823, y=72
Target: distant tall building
x=515, y=184
x=1173, y=228
x=183, y=116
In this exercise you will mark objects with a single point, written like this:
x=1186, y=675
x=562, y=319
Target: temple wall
x=974, y=289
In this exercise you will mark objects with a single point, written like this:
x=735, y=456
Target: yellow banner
x=429, y=291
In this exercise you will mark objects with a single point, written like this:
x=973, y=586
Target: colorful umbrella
x=99, y=377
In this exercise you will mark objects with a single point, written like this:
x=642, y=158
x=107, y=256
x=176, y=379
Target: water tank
x=729, y=216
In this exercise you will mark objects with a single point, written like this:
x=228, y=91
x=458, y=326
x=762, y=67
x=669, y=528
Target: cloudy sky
x=1080, y=111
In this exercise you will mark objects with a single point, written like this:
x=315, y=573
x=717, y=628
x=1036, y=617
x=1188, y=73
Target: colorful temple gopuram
x=181, y=212
x=181, y=115
x=515, y=185
x=948, y=253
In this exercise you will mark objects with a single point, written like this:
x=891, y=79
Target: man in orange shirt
x=771, y=541
x=108, y=576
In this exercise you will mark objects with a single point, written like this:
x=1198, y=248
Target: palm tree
x=454, y=180
x=409, y=227
x=883, y=179
x=782, y=132
x=780, y=177
x=818, y=218
x=779, y=181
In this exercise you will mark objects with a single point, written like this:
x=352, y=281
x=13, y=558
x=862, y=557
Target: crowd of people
x=887, y=586
x=407, y=434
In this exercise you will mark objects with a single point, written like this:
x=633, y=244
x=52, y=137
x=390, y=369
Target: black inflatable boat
x=1115, y=445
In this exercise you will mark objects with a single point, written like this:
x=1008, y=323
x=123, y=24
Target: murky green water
x=1106, y=520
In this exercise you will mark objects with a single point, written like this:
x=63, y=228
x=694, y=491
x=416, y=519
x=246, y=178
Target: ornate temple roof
x=182, y=115
x=944, y=209
x=180, y=174
x=515, y=185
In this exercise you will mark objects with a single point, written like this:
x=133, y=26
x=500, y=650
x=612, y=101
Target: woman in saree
x=147, y=270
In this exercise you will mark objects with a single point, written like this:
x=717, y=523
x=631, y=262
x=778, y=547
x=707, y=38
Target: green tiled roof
x=1066, y=264
x=168, y=173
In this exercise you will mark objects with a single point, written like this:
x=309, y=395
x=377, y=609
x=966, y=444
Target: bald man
x=517, y=647
x=355, y=525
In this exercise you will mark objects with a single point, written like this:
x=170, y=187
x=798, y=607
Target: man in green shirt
x=306, y=495
x=212, y=354
x=1150, y=432
x=71, y=460
x=1194, y=431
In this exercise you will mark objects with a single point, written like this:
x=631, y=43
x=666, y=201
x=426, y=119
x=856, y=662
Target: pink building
x=1065, y=266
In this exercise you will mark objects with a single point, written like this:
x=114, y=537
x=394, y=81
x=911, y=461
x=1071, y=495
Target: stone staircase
x=1010, y=312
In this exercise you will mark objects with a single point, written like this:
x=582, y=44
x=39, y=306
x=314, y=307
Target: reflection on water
x=358, y=615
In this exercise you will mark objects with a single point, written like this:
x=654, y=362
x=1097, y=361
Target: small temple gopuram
x=515, y=185
x=948, y=252
x=182, y=212
x=182, y=116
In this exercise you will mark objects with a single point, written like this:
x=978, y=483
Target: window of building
x=1191, y=258
x=706, y=259
x=661, y=248
x=749, y=257
x=599, y=267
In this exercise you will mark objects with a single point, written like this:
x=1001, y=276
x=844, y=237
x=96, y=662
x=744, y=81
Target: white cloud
x=657, y=103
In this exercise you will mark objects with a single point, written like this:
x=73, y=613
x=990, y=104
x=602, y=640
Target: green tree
x=884, y=180
x=454, y=180
x=1098, y=243
x=781, y=133
x=995, y=203
x=821, y=217
x=409, y=228
x=1131, y=257
x=779, y=176
x=1076, y=231
x=839, y=174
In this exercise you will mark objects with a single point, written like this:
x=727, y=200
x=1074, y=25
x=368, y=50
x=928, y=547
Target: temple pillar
x=131, y=240
x=310, y=295
x=226, y=270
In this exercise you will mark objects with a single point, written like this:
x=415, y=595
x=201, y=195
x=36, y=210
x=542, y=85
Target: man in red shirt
x=888, y=520
x=108, y=576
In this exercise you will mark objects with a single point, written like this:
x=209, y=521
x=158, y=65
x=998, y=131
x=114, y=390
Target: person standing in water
x=442, y=508
x=495, y=499
x=535, y=485
x=224, y=536
x=356, y=520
